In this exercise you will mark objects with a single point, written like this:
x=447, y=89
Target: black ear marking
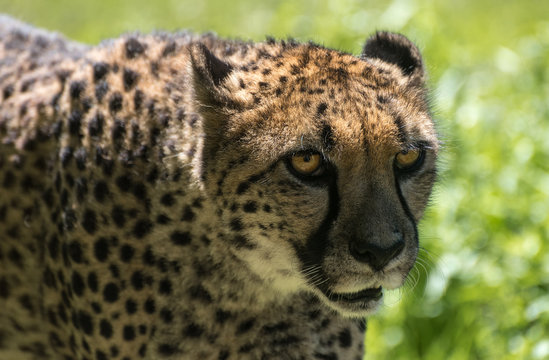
x=395, y=49
x=205, y=64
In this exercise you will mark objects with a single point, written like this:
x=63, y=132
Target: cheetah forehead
x=312, y=97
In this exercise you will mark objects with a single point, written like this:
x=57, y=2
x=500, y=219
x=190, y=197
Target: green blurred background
x=481, y=287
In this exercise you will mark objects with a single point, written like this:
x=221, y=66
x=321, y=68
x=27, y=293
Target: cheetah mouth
x=363, y=296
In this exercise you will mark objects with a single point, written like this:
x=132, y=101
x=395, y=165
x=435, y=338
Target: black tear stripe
x=406, y=209
x=312, y=253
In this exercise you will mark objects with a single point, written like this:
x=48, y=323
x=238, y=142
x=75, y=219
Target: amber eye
x=308, y=164
x=408, y=159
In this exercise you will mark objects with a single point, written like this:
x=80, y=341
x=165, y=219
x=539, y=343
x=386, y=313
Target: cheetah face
x=322, y=164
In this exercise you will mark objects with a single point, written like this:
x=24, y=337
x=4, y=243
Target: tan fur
x=148, y=208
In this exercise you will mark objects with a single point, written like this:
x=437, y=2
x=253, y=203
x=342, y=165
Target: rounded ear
x=396, y=49
x=208, y=74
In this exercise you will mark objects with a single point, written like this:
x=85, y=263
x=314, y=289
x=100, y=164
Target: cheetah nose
x=376, y=255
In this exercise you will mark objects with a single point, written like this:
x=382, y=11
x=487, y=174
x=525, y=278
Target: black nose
x=375, y=255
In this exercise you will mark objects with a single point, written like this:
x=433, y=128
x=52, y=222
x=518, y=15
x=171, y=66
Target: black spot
x=138, y=98
x=166, y=349
x=236, y=224
x=134, y=48
x=163, y=219
x=329, y=356
x=100, y=191
x=105, y=329
x=101, y=90
x=15, y=257
x=188, y=214
x=166, y=315
x=278, y=327
x=137, y=280
x=129, y=78
x=345, y=339
x=76, y=88
x=80, y=157
x=245, y=326
x=77, y=282
x=223, y=355
x=241, y=241
x=99, y=355
x=143, y=348
x=246, y=348
x=199, y=293
x=149, y=306
x=101, y=249
x=9, y=180
x=118, y=216
x=321, y=109
x=8, y=91
x=128, y=332
x=66, y=156
x=126, y=253
x=180, y=238
x=86, y=322
x=165, y=286
x=96, y=307
x=115, y=102
x=115, y=272
x=100, y=69
x=75, y=252
x=110, y=292
x=124, y=183
x=285, y=341
x=382, y=99
x=89, y=221
x=75, y=120
x=148, y=257
x=250, y=207
x=118, y=131
x=49, y=278
x=193, y=330
x=140, y=191
x=142, y=228
x=221, y=316
x=114, y=351
x=4, y=288
x=92, y=282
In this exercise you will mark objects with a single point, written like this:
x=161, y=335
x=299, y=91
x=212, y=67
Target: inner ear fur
x=396, y=49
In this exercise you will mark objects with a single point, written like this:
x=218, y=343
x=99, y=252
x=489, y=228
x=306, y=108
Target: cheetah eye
x=409, y=160
x=307, y=164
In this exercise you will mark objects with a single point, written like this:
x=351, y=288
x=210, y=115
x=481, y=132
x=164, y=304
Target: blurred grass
x=482, y=289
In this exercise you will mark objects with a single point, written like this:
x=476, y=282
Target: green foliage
x=482, y=283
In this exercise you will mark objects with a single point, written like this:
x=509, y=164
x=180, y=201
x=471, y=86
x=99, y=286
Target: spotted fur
x=149, y=208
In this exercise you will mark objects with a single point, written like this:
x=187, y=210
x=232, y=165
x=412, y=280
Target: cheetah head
x=321, y=162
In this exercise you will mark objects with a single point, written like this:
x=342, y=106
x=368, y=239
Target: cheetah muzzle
x=176, y=196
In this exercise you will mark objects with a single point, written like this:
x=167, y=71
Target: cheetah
x=182, y=196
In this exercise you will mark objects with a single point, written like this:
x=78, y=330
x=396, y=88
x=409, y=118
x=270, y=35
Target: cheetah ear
x=396, y=49
x=209, y=72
